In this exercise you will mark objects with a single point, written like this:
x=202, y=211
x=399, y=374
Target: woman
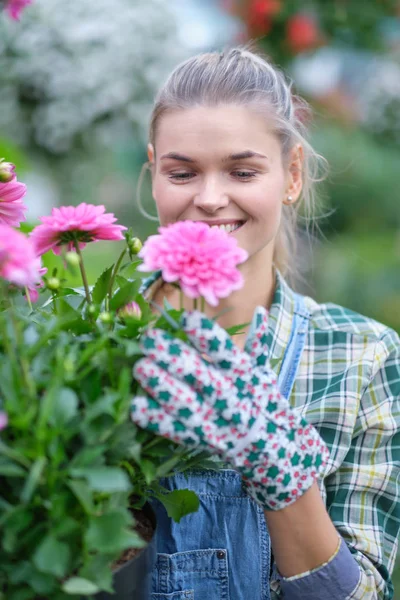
x=303, y=407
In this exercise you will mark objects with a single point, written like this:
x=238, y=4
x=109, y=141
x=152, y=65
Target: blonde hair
x=240, y=76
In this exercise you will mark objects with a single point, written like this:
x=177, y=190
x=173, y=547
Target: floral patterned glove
x=230, y=404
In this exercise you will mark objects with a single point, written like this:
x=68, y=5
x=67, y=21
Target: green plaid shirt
x=348, y=387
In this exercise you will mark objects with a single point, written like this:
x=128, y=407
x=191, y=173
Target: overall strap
x=294, y=349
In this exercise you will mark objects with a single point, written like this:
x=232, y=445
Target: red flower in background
x=261, y=13
x=302, y=33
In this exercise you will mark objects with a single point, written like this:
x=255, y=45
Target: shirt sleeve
x=363, y=494
x=338, y=578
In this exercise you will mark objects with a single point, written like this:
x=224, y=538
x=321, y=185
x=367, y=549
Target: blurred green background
x=77, y=81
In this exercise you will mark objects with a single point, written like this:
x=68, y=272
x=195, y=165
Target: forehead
x=223, y=127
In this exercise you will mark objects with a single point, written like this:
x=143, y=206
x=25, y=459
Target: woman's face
x=222, y=166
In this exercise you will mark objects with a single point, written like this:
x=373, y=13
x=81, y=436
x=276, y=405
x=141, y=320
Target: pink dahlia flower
x=18, y=261
x=12, y=209
x=202, y=259
x=15, y=8
x=83, y=223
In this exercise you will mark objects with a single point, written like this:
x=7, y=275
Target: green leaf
x=66, y=526
x=77, y=586
x=101, y=286
x=124, y=295
x=19, y=594
x=103, y=406
x=10, y=469
x=160, y=447
x=235, y=329
x=89, y=457
x=111, y=533
x=17, y=519
x=179, y=503
x=167, y=466
x=104, y=479
x=171, y=317
x=83, y=493
x=69, y=292
x=33, y=479
x=132, y=348
x=97, y=569
x=14, y=455
x=121, y=281
x=148, y=469
x=52, y=557
x=65, y=407
x=44, y=584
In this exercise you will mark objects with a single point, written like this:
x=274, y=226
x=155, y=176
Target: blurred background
x=77, y=81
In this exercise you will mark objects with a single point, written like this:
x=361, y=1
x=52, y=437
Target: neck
x=238, y=308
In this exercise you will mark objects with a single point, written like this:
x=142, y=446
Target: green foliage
x=358, y=263
x=73, y=466
x=282, y=34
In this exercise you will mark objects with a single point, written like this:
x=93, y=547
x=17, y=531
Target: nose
x=211, y=196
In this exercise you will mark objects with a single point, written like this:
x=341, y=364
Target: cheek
x=266, y=206
x=167, y=202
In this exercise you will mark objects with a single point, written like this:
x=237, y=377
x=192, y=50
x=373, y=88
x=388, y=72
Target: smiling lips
x=228, y=226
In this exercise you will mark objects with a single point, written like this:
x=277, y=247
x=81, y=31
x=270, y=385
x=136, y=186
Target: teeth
x=228, y=228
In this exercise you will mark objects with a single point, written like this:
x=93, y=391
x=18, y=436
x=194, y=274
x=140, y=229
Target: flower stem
x=29, y=382
x=54, y=296
x=113, y=276
x=202, y=304
x=180, y=299
x=28, y=298
x=195, y=304
x=83, y=272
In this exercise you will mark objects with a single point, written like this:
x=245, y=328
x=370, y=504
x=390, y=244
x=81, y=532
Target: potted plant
x=76, y=474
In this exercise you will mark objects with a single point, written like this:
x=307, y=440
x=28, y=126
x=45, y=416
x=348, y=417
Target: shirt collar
x=280, y=321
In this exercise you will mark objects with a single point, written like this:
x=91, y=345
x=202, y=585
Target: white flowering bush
x=71, y=70
x=380, y=100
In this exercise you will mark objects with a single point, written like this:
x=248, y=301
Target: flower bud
x=92, y=309
x=53, y=284
x=105, y=317
x=72, y=259
x=130, y=311
x=7, y=171
x=135, y=245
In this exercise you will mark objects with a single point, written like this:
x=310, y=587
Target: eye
x=244, y=174
x=181, y=176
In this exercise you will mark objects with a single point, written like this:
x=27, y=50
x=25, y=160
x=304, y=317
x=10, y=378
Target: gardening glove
x=216, y=397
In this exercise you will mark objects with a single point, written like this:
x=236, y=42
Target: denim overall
x=221, y=552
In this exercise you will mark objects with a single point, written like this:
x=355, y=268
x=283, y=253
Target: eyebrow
x=237, y=156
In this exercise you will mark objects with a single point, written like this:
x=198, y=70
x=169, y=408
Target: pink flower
x=15, y=8
x=18, y=261
x=33, y=291
x=11, y=207
x=83, y=223
x=202, y=259
x=3, y=420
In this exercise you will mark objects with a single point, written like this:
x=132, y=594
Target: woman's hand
x=217, y=397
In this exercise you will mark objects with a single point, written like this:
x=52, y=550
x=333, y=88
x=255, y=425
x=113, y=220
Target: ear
x=150, y=153
x=295, y=172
